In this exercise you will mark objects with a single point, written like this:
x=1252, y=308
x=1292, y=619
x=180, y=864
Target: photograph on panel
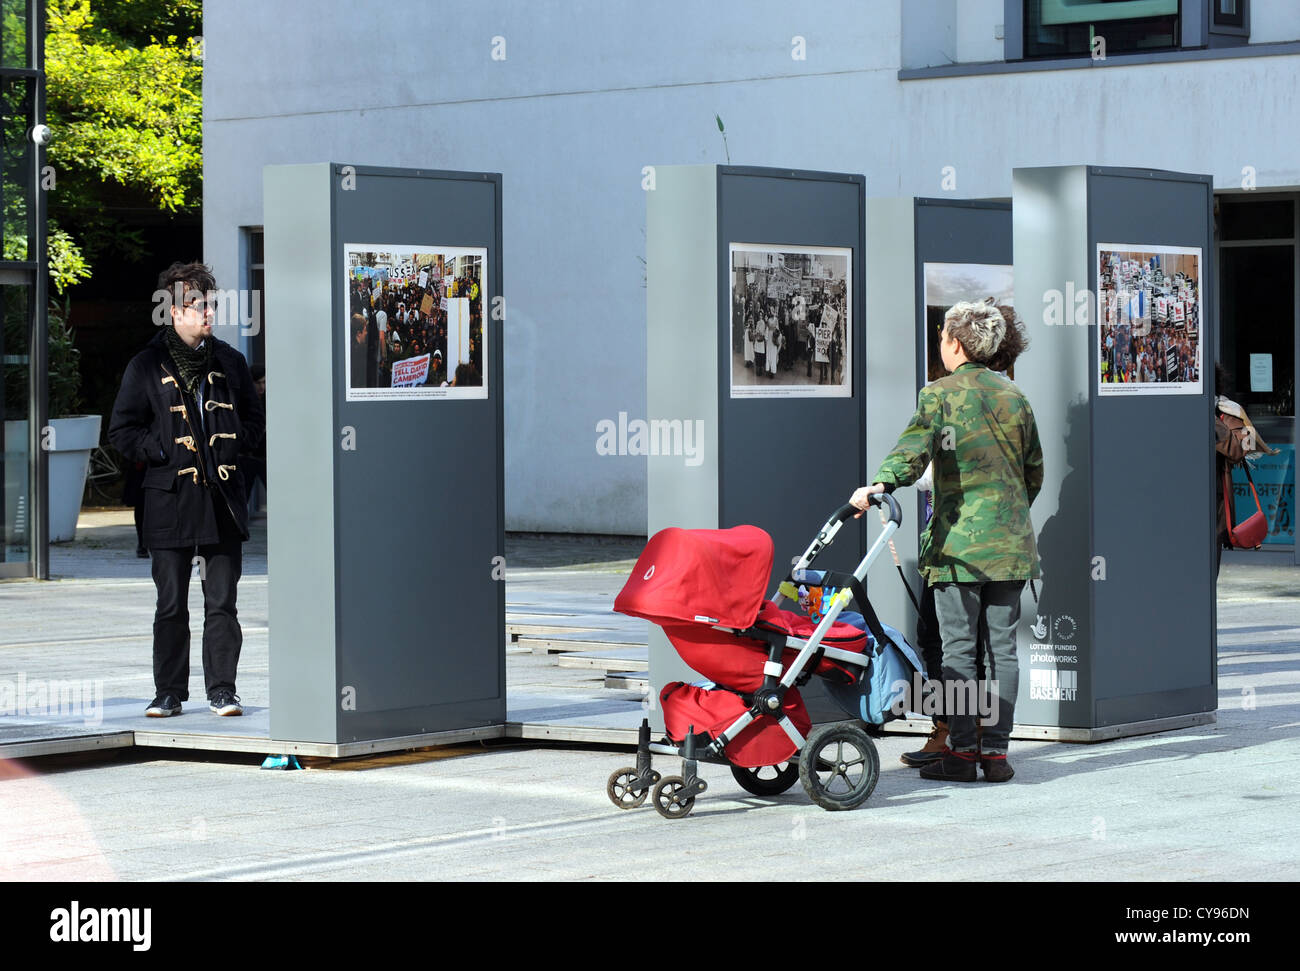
x=414, y=321
x=791, y=321
x=1149, y=305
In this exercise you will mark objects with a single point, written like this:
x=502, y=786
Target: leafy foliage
x=124, y=103
x=65, y=363
x=67, y=265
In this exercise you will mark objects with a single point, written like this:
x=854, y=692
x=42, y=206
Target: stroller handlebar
x=844, y=513
x=895, y=513
x=799, y=571
x=848, y=510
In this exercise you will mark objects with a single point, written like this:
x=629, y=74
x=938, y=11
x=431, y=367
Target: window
x=1230, y=13
x=255, y=283
x=1066, y=28
x=1257, y=294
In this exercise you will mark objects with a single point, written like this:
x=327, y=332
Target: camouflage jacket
x=979, y=431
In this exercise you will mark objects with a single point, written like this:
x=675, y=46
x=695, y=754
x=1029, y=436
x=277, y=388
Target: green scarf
x=192, y=362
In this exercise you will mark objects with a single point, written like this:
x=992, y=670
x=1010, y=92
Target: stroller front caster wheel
x=839, y=767
x=770, y=780
x=622, y=790
x=667, y=802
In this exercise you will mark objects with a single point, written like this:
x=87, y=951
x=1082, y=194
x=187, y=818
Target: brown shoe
x=932, y=750
x=996, y=768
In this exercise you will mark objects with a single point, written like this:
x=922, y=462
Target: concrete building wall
x=977, y=39
x=591, y=91
x=1273, y=21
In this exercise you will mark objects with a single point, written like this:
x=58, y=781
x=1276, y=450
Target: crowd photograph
x=791, y=321
x=414, y=322
x=1149, y=305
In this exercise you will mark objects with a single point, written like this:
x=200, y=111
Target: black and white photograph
x=1149, y=308
x=414, y=321
x=791, y=321
x=948, y=284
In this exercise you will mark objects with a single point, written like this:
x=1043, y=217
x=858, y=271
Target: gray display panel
x=302, y=440
x=1124, y=632
x=420, y=501
x=782, y=463
x=785, y=464
x=386, y=543
x=1050, y=216
x=1153, y=481
x=956, y=232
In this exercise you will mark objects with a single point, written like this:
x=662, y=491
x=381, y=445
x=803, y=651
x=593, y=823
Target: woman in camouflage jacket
x=978, y=551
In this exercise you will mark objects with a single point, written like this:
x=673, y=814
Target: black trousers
x=220, y=566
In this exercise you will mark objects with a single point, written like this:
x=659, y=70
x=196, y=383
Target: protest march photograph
x=791, y=321
x=1149, y=305
x=414, y=321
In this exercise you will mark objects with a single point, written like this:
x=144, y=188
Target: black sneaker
x=164, y=706
x=953, y=767
x=225, y=702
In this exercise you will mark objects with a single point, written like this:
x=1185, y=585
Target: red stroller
x=705, y=589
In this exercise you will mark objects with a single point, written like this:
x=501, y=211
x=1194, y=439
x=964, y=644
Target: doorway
x=1259, y=292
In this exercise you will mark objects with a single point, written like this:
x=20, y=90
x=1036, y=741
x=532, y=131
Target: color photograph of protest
x=791, y=321
x=1149, y=307
x=414, y=322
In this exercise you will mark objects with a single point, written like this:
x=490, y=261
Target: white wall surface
x=928, y=29
x=593, y=90
x=1274, y=20
x=975, y=22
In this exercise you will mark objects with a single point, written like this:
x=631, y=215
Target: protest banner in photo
x=791, y=321
x=396, y=327
x=411, y=372
x=1150, y=345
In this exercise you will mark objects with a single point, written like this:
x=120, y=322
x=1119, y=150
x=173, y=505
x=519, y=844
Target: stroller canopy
x=707, y=576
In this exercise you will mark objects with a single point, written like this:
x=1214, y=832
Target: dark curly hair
x=1013, y=342
x=191, y=276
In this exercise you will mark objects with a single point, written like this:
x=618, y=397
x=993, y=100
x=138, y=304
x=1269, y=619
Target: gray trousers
x=959, y=607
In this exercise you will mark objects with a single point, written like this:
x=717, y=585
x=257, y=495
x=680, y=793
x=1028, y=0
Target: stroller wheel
x=839, y=766
x=770, y=780
x=666, y=801
x=620, y=790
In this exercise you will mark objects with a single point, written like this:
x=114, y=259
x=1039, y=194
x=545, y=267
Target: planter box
x=72, y=441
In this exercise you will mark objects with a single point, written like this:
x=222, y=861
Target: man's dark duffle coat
x=192, y=462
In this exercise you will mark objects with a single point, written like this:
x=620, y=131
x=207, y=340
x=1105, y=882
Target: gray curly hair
x=979, y=327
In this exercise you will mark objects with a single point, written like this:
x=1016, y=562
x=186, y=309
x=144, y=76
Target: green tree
x=124, y=104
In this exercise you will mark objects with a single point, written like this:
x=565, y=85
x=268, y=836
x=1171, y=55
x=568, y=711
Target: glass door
x=15, y=435
x=23, y=465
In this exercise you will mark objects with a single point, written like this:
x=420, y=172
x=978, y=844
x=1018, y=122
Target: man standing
x=186, y=408
x=381, y=330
